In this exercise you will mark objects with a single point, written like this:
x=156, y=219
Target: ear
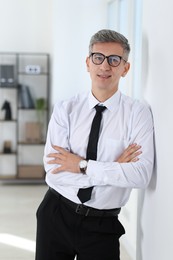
x=87, y=63
x=126, y=69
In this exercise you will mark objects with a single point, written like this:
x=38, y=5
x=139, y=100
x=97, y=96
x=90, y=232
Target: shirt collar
x=110, y=103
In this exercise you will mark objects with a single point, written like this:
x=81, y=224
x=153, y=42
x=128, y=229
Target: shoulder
x=136, y=106
x=71, y=104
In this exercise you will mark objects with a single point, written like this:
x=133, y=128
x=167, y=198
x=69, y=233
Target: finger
x=57, y=170
x=129, y=153
x=135, y=148
x=55, y=161
x=57, y=156
x=136, y=154
x=135, y=159
x=132, y=156
x=53, y=155
x=60, y=149
x=132, y=151
x=131, y=146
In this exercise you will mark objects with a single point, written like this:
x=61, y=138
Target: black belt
x=85, y=210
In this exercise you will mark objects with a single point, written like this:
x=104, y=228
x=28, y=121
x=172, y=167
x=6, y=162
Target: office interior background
x=63, y=29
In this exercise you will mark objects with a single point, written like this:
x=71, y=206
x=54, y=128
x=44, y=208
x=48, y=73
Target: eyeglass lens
x=113, y=60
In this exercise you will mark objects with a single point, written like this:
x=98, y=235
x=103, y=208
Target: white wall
x=26, y=25
x=74, y=23
x=156, y=210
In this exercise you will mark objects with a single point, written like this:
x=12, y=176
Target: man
x=90, y=179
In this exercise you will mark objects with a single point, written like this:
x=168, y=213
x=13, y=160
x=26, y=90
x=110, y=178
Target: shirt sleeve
x=132, y=174
x=57, y=134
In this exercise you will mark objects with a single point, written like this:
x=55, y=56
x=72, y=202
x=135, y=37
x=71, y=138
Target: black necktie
x=85, y=194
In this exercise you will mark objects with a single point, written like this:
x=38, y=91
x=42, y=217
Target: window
x=125, y=17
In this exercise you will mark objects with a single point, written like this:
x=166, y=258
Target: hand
x=130, y=154
x=67, y=160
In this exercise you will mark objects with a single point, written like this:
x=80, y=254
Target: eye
x=114, y=60
x=98, y=58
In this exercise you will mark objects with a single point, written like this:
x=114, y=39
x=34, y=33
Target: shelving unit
x=24, y=84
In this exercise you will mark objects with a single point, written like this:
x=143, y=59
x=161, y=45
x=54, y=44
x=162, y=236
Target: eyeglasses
x=113, y=60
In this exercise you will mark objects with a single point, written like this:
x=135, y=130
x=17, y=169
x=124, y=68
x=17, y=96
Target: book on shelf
x=25, y=97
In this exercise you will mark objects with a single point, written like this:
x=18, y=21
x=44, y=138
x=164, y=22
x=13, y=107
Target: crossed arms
x=69, y=161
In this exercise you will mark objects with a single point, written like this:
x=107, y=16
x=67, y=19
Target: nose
x=105, y=65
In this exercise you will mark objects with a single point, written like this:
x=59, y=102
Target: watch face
x=83, y=164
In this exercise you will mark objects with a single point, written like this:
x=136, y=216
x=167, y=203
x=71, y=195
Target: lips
x=104, y=76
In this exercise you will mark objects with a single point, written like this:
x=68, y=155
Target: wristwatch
x=83, y=166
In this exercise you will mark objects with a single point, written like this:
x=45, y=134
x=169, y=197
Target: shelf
x=8, y=87
x=15, y=180
x=30, y=143
x=24, y=83
x=8, y=121
x=33, y=109
x=31, y=171
x=7, y=177
x=8, y=154
x=25, y=108
x=33, y=74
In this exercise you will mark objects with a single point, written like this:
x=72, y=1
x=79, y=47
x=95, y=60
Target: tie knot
x=100, y=108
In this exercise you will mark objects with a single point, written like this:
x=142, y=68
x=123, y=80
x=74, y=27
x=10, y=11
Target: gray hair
x=106, y=35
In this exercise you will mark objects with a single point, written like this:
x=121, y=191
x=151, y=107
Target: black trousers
x=62, y=234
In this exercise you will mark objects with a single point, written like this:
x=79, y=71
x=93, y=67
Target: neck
x=102, y=96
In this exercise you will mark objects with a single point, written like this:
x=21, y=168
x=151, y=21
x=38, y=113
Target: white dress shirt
x=124, y=122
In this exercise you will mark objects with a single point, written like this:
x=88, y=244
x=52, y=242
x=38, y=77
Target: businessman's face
x=105, y=73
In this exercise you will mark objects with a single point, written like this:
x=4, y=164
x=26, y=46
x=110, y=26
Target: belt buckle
x=82, y=210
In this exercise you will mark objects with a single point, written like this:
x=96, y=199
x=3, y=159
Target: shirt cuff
x=103, y=173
